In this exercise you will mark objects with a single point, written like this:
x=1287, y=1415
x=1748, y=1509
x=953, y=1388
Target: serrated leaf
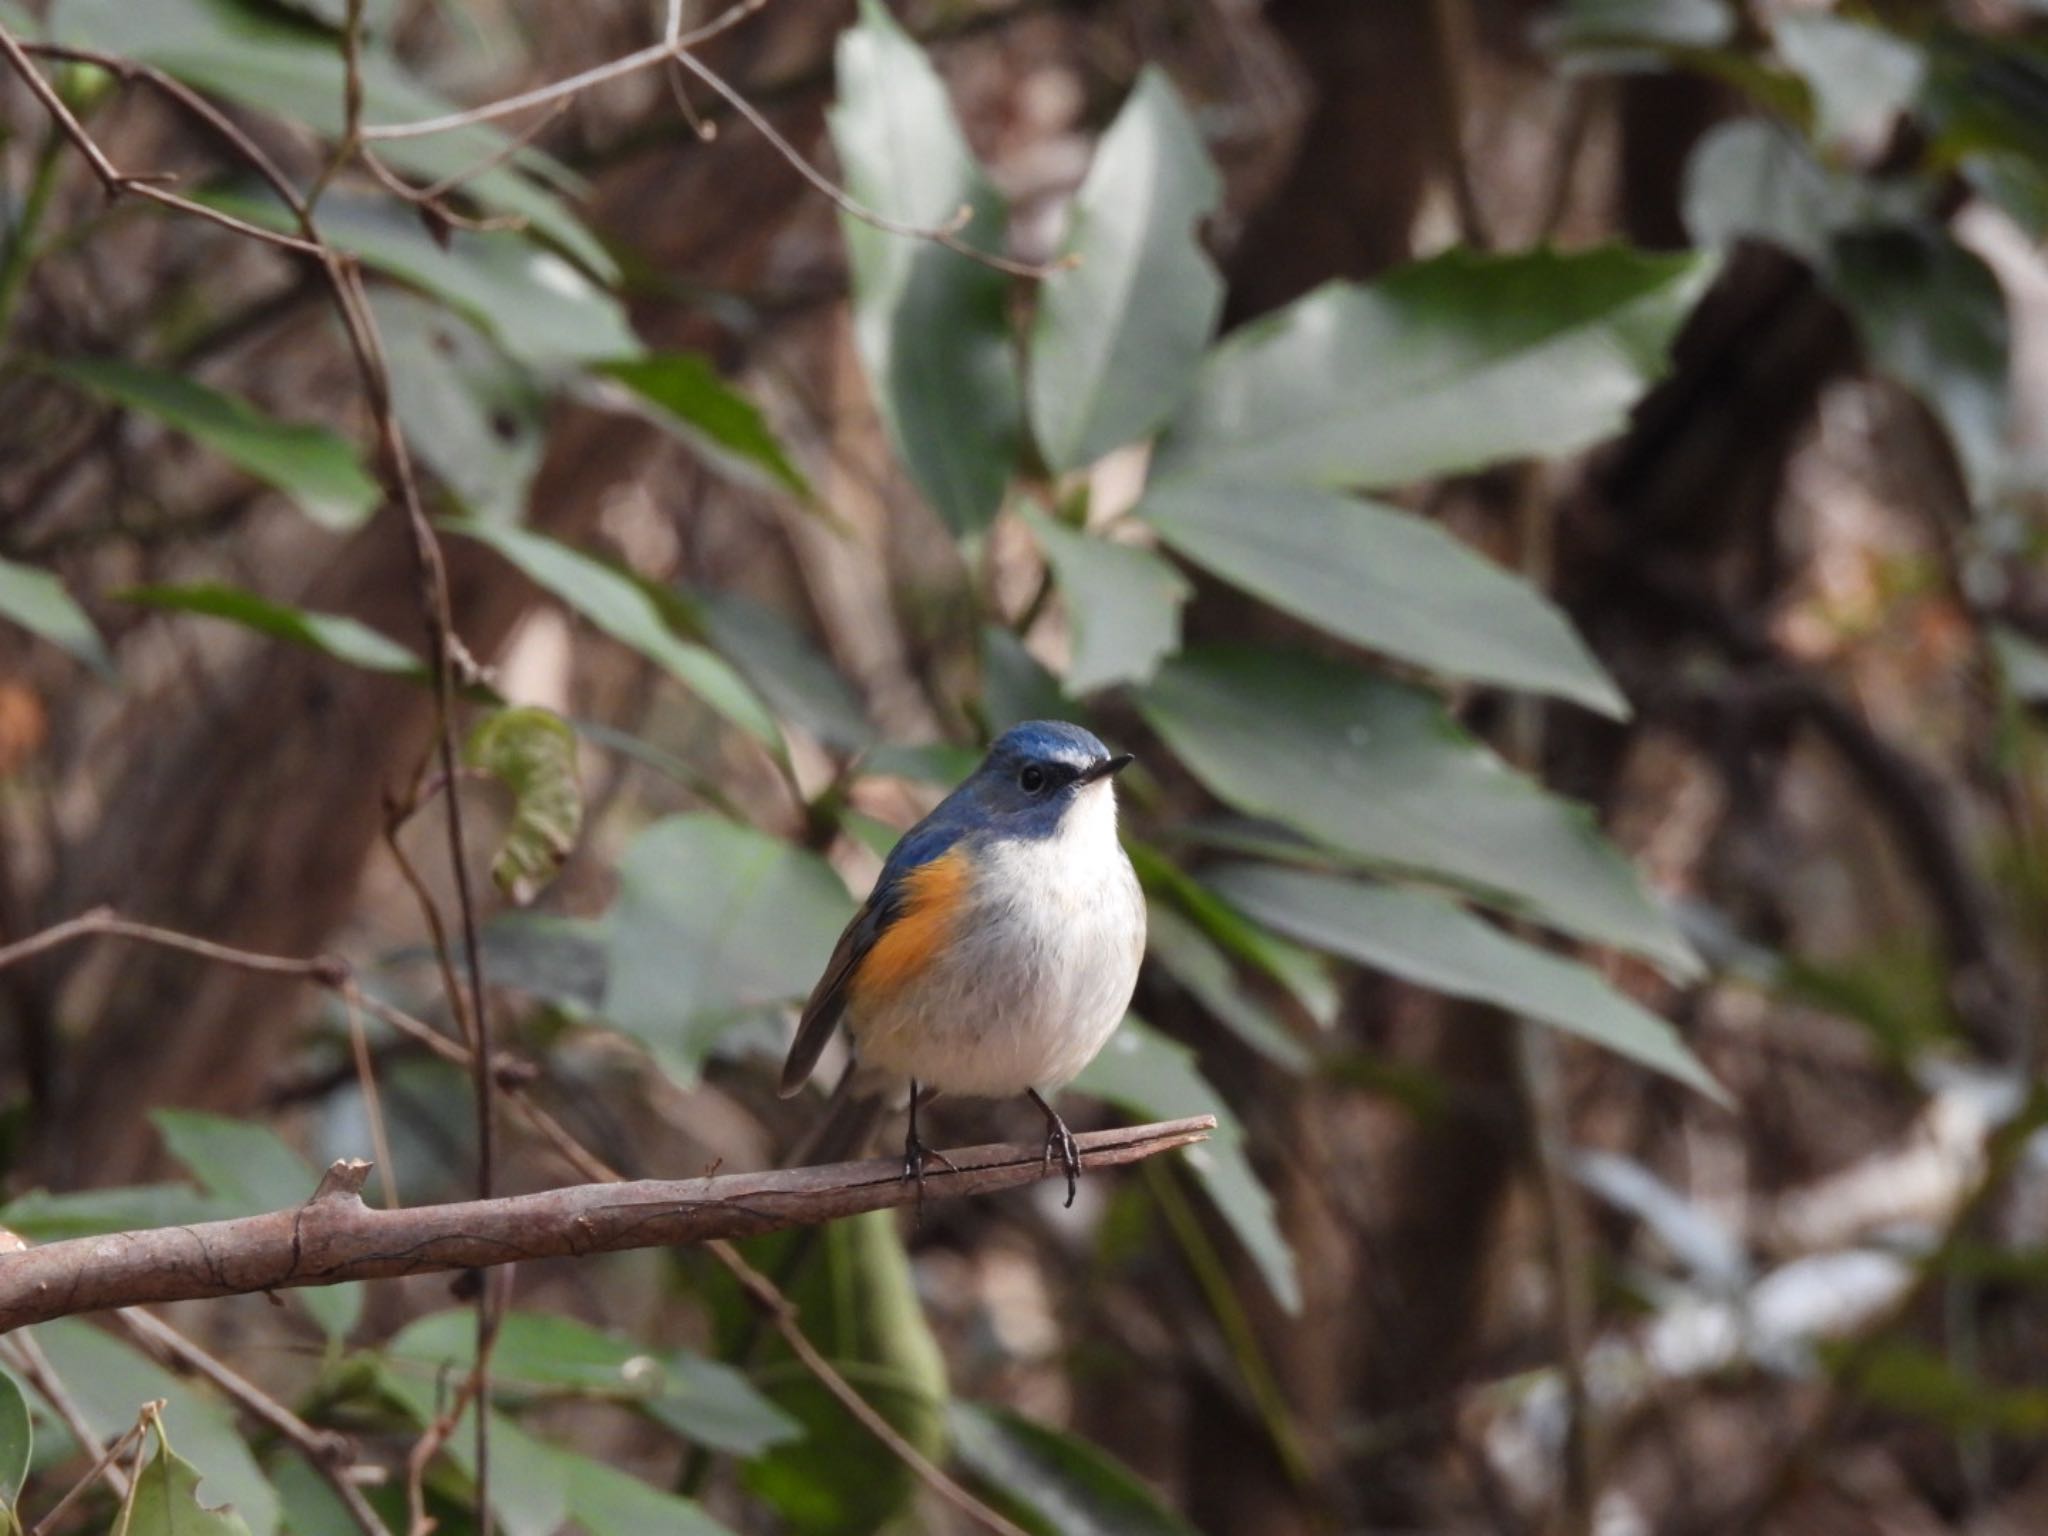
x=1446, y=366
x=319, y=471
x=1060, y=1483
x=623, y=609
x=532, y=752
x=1116, y=337
x=17, y=1443
x=37, y=601
x=1385, y=579
x=715, y=923
x=251, y=1169
x=930, y=324
x=1146, y=1074
x=1123, y=605
x=685, y=394
x=471, y=414
x=1432, y=941
x=1378, y=771
x=332, y=634
x=110, y=1382
x=165, y=1501
x=857, y=1304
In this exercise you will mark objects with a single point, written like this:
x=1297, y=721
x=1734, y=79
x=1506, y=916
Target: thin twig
x=602, y=74
x=36, y=1370
x=103, y=1467
x=373, y=1101
x=782, y=1312
x=329, y=1453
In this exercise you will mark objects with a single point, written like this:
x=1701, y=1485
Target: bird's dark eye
x=1032, y=779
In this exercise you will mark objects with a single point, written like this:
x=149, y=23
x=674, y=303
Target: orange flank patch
x=933, y=895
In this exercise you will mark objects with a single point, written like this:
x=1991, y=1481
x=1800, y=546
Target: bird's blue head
x=1036, y=774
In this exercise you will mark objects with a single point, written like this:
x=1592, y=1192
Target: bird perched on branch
x=997, y=952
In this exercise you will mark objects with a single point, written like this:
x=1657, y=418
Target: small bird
x=997, y=952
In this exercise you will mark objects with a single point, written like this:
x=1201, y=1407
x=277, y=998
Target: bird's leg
x=916, y=1154
x=1057, y=1135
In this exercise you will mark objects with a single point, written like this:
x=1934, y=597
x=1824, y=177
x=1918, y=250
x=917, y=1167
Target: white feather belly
x=1038, y=974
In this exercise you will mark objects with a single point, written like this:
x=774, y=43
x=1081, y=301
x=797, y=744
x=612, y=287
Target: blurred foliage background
x=1552, y=492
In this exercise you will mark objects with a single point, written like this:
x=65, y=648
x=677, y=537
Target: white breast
x=1038, y=975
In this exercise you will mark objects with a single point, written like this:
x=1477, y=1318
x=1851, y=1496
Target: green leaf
x=250, y=1168
x=17, y=1443
x=316, y=469
x=1117, y=336
x=1862, y=77
x=625, y=610
x=1378, y=771
x=532, y=752
x=529, y=1478
x=42, y=1217
x=1146, y=1074
x=1060, y=1483
x=332, y=634
x=715, y=923
x=1599, y=25
x=931, y=325
x=540, y=308
x=689, y=398
x=1433, y=942
x=799, y=684
x=110, y=1382
x=241, y=53
x=1200, y=965
x=165, y=1500
x=543, y=1354
x=2024, y=663
x=857, y=1304
x=1913, y=1379
x=37, y=601
x=1014, y=685
x=1385, y=579
x=1756, y=179
x=607, y=1502
x=471, y=414
x=1123, y=605
x=1446, y=366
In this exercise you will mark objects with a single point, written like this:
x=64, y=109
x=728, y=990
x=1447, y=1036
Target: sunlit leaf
x=1378, y=771
x=1143, y=1072
x=1059, y=1483
x=715, y=923
x=37, y=601
x=1449, y=365
x=1116, y=337
x=110, y=1382
x=1861, y=76
x=17, y=1443
x=1432, y=941
x=620, y=607
x=1123, y=605
x=471, y=414
x=165, y=1501
x=249, y=1167
x=683, y=392
x=532, y=752
x=1385, y=579
x=316, y=469
x=856, y=1302
x=931, y=324
x=332, y=634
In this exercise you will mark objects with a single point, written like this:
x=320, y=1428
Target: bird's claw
x=915, y=1155
x=1057, y=1135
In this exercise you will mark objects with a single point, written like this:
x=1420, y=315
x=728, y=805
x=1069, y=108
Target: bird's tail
x=846, y=1128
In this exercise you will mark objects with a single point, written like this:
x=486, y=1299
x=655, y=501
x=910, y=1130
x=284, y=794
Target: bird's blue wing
x=929, y=839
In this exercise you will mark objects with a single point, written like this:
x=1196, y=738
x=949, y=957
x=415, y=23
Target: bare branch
x=335, y=1237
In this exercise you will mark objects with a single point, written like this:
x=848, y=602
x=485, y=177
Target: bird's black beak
x=1107, y=768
